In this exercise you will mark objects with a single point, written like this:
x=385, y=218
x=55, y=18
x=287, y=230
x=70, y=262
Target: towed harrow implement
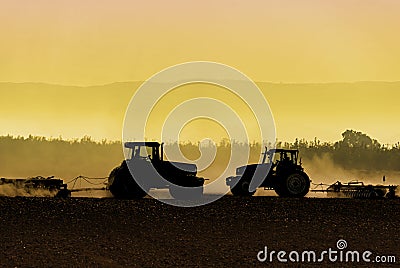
x=357, y=189
x=47, y=186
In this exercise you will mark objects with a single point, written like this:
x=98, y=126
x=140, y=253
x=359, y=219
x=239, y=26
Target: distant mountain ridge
x=318, y=108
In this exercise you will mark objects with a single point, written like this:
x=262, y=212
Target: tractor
x=286, y=176
x=145, y=169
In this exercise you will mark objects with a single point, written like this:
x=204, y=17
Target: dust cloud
x=12, y=190
x=323, y=170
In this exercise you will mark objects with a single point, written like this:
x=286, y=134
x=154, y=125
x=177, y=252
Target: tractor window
x=294, y=156
x=128, y=153
x=141, y=151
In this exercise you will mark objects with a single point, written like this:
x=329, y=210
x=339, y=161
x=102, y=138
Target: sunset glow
x=87, y=43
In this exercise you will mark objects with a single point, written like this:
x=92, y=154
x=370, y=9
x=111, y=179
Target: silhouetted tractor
x=286, y=176
x=145, y=169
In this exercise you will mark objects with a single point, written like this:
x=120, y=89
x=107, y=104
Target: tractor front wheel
x=242, y=188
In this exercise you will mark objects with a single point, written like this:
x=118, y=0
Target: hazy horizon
x=321, y=110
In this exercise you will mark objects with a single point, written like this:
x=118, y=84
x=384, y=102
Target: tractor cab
x=145, y=151
x=284, y=157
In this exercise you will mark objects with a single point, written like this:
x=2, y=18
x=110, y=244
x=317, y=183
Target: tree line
x=32, y=156
x=356, y=151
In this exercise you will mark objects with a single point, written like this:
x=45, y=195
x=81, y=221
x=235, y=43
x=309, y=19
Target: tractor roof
x=142, y=143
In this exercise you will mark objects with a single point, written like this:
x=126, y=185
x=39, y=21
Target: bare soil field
x=83, y=232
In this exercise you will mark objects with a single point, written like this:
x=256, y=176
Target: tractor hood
x=189, y=168
x=249, y=170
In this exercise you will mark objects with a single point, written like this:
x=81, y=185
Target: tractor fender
x=233, y=180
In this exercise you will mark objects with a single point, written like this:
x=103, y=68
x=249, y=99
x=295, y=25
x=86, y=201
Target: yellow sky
x=96, y=42
x=291, y=41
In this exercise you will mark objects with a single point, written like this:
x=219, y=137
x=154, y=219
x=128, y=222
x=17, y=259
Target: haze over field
x=300, y=110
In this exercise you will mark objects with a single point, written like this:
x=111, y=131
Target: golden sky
x=97, y=42
x=290, y=41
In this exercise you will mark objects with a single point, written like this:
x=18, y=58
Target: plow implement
x=35, y=186
x=50, y=186
x=357, y=189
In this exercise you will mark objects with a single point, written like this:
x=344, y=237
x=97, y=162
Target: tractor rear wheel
x=294, y=185
x=242, y=188
x=122, y=185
